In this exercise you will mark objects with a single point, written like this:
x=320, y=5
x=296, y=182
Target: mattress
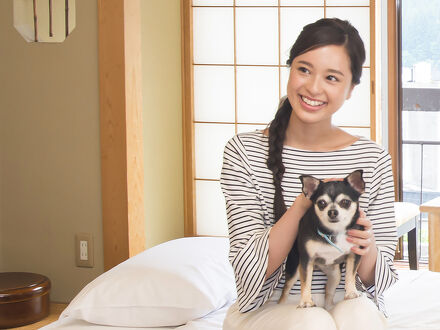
x=212, y=321
x=189, y=284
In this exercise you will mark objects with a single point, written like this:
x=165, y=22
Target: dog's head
x=335, y=202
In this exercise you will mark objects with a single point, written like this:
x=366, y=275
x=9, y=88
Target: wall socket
x=84, y=250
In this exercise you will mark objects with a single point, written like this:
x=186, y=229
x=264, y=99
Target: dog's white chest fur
x=328, y=252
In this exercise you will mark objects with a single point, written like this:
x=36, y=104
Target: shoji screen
x=237, y=72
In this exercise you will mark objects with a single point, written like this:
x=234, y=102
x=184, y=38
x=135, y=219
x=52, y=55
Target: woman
x=264, y=202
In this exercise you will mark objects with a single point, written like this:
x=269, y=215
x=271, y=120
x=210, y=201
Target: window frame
x=190, y=221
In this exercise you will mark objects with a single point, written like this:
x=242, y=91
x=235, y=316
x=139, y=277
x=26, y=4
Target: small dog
x=321, y=239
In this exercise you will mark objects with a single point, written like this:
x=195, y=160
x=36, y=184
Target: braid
x=277, y=135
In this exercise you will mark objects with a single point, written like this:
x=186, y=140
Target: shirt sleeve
x=381, y=214
x=248, y=232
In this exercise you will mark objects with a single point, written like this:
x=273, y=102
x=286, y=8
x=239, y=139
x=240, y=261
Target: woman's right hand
x=302, y=202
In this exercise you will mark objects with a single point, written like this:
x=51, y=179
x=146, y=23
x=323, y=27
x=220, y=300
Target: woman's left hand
x=363, y=240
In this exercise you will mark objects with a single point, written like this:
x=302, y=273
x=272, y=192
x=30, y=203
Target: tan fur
x=287, y=287
x=306, y=285
x=350, y=278
x=333, y=278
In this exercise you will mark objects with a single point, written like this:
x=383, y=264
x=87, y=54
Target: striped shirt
x=248, y=189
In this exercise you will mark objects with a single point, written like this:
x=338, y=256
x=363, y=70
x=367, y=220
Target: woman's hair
x=326, y=31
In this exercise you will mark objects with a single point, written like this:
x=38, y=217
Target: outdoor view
x=421, y=105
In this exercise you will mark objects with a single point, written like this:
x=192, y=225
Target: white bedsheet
x=212, y=321
x=412, y=303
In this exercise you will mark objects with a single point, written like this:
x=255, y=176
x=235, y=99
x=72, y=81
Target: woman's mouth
x=311, y=103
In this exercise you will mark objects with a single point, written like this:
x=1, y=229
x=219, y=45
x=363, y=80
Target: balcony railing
x=418, y=193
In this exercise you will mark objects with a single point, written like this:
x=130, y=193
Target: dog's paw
x=306, y=304
x=352, y=295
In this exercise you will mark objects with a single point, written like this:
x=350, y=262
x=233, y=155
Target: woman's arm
x=378, y=274
x=283, y=233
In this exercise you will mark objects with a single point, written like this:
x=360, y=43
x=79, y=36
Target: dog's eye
x=322, y=204
x=345, y=203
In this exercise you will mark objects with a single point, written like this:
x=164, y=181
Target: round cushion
x=24, y=298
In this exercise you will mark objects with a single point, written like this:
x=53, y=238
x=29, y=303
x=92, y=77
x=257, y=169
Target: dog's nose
x=332, y=214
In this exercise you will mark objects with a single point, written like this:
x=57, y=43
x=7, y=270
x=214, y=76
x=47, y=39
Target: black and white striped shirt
x=248, y=188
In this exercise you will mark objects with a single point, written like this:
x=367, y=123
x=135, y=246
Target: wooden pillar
x=394, y=141
x=121, y=130
x=190, y=227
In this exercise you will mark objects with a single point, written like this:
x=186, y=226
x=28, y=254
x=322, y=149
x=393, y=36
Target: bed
x=188, y=284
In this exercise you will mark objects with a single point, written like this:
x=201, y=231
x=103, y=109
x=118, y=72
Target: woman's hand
x=362, y=239
x=302, y=202
x=365, y=246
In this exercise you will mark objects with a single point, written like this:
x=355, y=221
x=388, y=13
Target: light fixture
x=44, y=20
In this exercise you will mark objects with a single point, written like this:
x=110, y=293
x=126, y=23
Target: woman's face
x=319, y=83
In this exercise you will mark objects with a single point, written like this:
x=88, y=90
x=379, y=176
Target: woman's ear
x=350, y=91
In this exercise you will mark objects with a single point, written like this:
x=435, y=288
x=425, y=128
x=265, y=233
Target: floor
x=404, y=264
x=55, y=311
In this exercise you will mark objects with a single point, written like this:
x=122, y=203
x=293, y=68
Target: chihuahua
x=321, y=239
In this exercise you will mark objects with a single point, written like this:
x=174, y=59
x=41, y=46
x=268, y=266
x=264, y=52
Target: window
x=234, y=76
x=420, y=105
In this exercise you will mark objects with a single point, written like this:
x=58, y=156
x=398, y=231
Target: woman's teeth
x=311, y=102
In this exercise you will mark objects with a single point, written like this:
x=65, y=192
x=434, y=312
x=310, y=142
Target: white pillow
x=167, y=285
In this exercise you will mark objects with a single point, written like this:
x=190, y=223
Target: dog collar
x=327, y=238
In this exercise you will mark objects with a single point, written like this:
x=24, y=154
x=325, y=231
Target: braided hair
x=326, y=31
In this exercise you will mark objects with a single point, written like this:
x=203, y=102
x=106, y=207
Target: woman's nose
x=314, y=86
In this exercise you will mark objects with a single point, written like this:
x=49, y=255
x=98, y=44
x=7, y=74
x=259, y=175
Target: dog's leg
x=350, y=276
x=290, y=281
x=333, y=273
x=305, y=275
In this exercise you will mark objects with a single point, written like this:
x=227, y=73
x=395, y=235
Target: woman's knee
x=358, y=314
x=281, y=317
x=315, y=318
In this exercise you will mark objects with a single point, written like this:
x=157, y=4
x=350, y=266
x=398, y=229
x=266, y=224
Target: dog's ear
x=309, y=185
x=356, y=181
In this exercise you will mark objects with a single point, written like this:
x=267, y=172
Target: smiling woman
x=265, y=203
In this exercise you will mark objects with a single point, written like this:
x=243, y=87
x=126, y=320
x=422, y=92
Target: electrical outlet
x=84, y=250
x=83, y=253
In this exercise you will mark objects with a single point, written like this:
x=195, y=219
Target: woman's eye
x=322, y=204
x=332, y=78
x=345, y=203
x=303, y=69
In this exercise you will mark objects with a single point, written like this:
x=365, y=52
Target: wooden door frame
x=190, y=225
x=394, y=98
x=120, y=89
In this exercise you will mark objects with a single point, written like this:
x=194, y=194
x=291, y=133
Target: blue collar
x=327, y=238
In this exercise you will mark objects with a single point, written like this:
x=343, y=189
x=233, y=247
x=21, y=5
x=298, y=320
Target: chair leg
x=413, y=255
